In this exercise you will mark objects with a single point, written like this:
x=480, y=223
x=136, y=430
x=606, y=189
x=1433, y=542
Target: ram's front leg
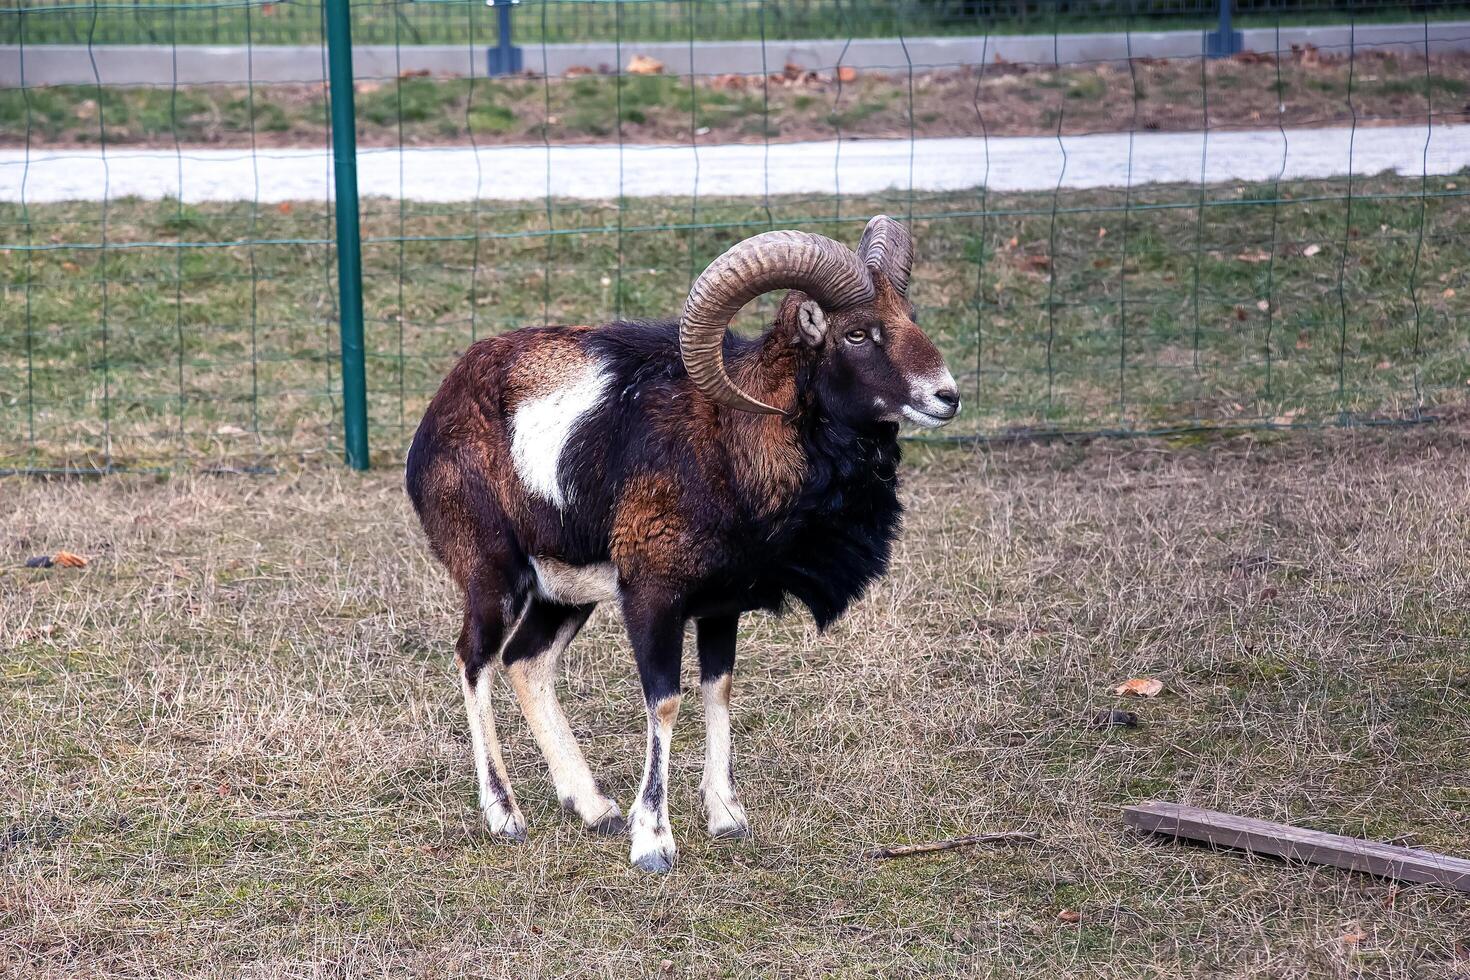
x=716, y=639
x=656, y=629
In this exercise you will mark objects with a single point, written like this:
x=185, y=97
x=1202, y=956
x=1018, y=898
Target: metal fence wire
x=1112, y=236
x=557, y=21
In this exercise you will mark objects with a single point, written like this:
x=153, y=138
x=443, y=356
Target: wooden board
x=1294, y=843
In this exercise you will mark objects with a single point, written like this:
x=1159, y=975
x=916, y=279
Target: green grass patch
x=182, y=339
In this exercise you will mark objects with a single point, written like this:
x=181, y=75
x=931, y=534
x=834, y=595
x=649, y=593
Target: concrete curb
x=828, y=167
x=63, y=64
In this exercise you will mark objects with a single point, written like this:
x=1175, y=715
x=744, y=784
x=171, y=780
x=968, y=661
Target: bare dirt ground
x=1306, y=88
x=233, y=746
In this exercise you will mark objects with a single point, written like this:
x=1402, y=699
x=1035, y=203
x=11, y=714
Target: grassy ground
x=233, y=745
x=1308, y=89
x=557, y=21
x=1094, y=309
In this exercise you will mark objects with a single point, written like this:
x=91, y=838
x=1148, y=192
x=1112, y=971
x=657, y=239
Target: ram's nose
x=949, y=397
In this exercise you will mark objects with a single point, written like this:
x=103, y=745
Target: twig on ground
x=954, y=843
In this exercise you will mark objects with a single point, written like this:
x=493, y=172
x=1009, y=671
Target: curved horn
x=826, y=270
x=887, y=247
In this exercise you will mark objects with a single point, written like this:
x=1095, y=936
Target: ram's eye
x=857, y=336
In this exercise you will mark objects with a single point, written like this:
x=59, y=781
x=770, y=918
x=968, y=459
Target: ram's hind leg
x=531, y=656
x=479, y=643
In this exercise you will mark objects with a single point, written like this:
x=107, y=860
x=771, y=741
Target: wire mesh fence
x=567, y=21
x=1105, y=242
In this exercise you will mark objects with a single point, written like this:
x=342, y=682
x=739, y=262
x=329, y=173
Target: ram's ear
x=811, y=323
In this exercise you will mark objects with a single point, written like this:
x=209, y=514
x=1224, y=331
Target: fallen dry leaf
x=1143, y=687
x=1354, y=936
x=1255, y=255
x=68, y=560
x=70, y=266
x=1311, y=250
x=1069, y=916
x=642, y=64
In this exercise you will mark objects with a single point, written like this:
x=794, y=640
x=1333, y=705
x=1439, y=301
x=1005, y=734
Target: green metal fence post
x=349, y=234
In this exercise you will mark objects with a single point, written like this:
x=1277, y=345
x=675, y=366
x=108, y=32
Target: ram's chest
x=827, y=557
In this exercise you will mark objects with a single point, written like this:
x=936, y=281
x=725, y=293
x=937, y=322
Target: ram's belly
x=575, y=585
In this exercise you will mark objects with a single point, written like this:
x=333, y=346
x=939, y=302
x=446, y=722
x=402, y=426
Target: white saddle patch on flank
x=575, y=585
x=541, y=426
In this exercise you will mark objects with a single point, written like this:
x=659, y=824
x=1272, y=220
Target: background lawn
x=1305, y=89
x=1111, y=309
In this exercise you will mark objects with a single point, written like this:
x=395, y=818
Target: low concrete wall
x=62, y=64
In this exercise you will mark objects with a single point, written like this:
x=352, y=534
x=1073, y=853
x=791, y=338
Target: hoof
x=654, y=862
x=608, y=819
x=736, y=831
x=652, y=850
x=726, y=817
x=612, y=825
x=506, y=826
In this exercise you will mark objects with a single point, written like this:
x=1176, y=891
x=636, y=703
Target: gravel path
x=528, y=173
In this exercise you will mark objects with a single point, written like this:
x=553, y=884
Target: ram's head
x=851, y=309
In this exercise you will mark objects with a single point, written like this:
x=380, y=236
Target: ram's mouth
x=926, y=419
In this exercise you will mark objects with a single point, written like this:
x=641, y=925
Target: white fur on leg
x=534, y=680
x=721, y=807
x=648, y=821
x=497, y=801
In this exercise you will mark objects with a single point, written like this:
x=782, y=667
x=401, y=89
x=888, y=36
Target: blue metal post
x=505, y=57
x=1223, y=41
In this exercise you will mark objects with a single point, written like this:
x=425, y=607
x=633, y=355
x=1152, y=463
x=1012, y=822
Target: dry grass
x=233, y=745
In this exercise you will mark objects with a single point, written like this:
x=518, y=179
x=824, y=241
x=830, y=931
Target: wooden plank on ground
x=1297, y=844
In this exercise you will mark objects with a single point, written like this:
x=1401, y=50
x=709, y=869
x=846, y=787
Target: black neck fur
x=841, y=527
